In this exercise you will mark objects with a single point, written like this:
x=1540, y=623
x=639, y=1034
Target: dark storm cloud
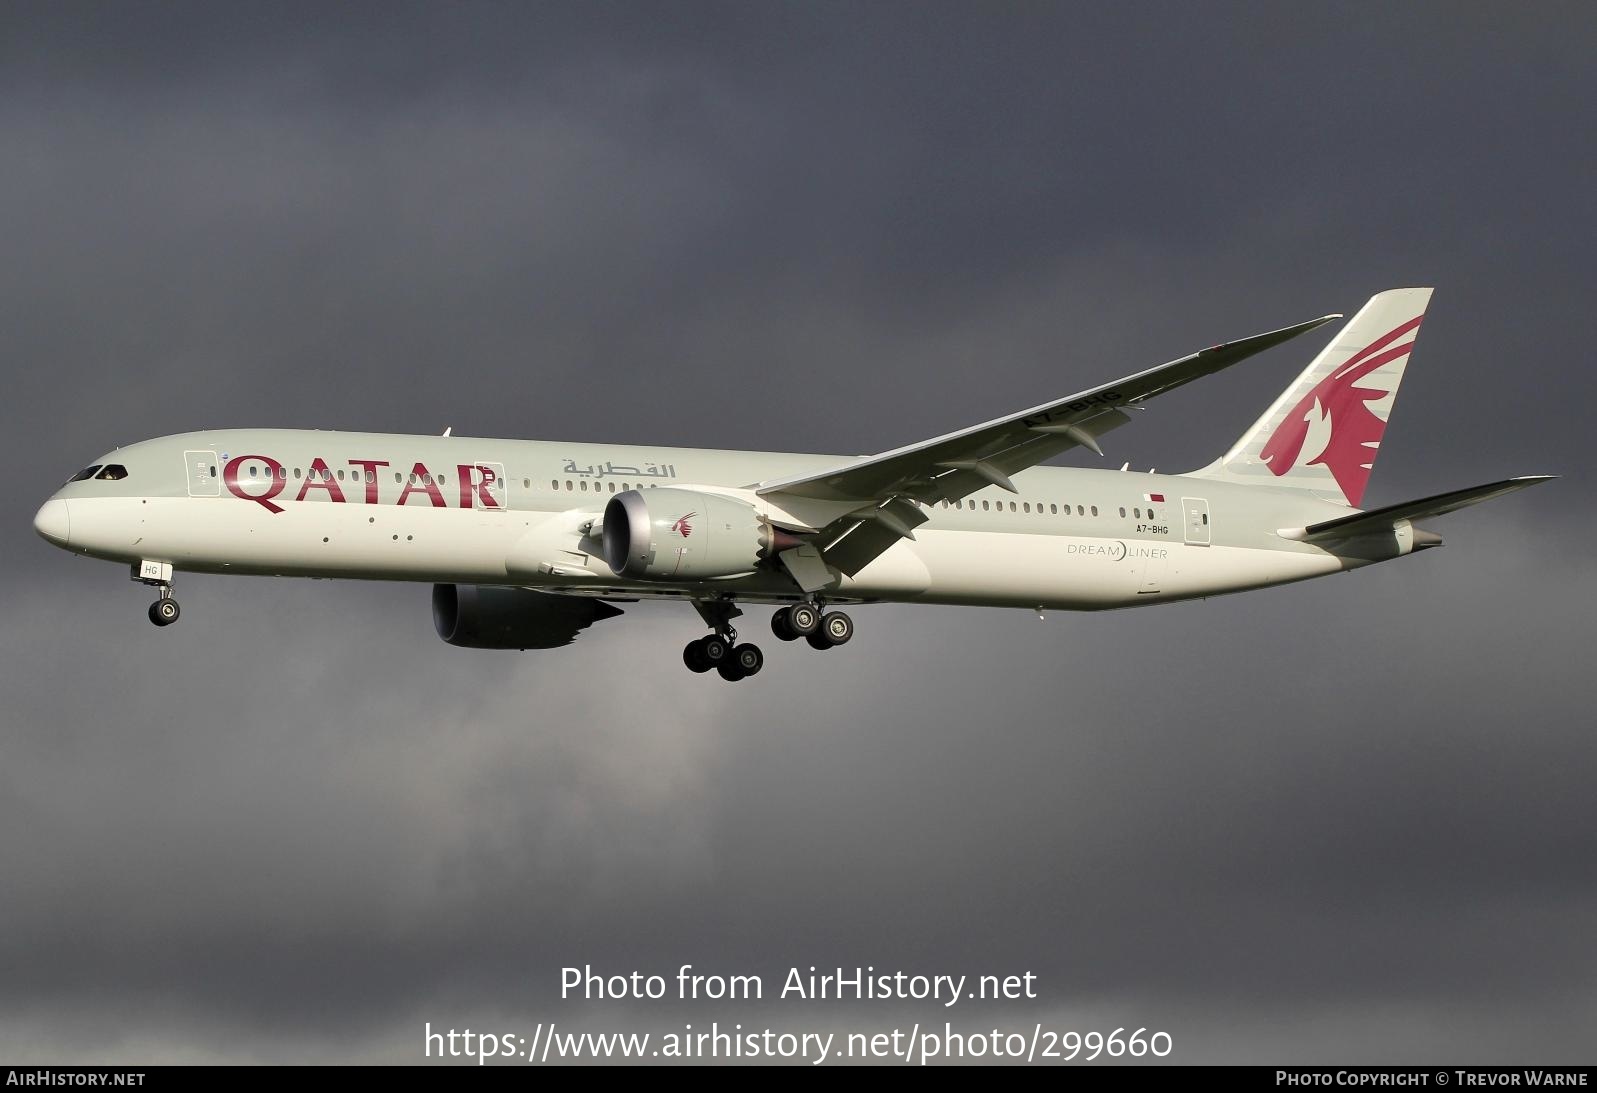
x=297, y=824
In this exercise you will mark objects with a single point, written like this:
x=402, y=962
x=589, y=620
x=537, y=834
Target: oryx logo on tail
x=1323, y=433
x=1333, y=425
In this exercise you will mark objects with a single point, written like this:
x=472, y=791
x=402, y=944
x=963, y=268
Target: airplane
x=527, y=543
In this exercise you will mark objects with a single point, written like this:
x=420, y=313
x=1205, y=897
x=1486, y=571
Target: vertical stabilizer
x=1324, y=432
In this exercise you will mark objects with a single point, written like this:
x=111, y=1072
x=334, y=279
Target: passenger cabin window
x=85, y=474
x=113, y=472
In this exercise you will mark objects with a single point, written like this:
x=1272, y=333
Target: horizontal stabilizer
x=1383, y=519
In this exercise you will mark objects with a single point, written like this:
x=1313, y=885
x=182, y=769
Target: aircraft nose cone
x=51, y=521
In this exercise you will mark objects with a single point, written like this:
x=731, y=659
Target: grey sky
x=1346, y=820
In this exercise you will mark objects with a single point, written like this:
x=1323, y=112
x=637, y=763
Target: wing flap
x=859, y=544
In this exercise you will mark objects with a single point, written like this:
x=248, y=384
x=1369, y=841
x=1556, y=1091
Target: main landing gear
x=721, y=651
x=805, y=620
x=733, y=661
x=164, y=611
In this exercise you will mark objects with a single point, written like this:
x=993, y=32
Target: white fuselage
x=506, y=512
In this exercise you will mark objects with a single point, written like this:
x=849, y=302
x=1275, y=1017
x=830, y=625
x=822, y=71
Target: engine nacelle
x=671, y=534
x=484, y=617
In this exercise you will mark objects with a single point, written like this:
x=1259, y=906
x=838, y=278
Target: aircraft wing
x=891, y=487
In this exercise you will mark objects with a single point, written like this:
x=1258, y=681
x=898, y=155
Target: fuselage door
x=489, y=490
x=204, y=478
x=1153, y=570
x=1196, y=510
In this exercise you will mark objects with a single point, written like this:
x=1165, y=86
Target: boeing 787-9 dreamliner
x=526, y=543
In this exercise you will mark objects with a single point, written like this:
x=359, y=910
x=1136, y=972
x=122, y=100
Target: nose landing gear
x=164, y=611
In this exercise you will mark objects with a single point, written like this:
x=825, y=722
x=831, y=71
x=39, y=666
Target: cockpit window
x=85, y=474
x=113, y=472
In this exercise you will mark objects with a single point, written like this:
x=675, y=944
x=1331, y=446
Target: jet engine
x=671, y=534
x=483, y=617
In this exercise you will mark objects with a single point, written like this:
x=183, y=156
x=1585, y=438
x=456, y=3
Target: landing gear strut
x=720, y=650
x=164, y=611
